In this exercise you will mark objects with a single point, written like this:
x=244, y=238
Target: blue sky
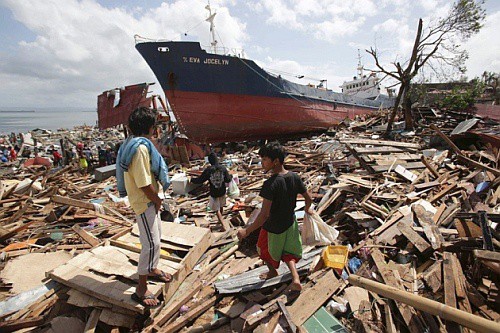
x=66, y=52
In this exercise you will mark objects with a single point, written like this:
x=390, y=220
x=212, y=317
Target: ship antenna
x=360, y=66
x=210, y=19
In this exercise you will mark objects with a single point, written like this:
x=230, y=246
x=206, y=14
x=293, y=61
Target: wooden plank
x=324, y=205
x=382, y=143
x=478, y=165
x=18, y=324
x=72, y=202
x=355, y=296
x=271, y=325
x=287, y=316
x=185, y=292
x=112, y=219
x=114, y=318
x=427, y=185
x=92, y=321
x=446, y=139
x=111, y=291
x=468, y=229
x=487, y=255
x=433, y=277
x=429, y=166
x=381, y=150
x=311, y=299
x=86, y=236
x=443, y=231
x=431, y=230
x=11, y=233
x=189, y=316
x=443, y=192
x=450, y=298
x=405, y=173
x=17, y=215
x=420, y=243
x=460, y=285
x=410, y=165
x=408, y=313
x=360, y=159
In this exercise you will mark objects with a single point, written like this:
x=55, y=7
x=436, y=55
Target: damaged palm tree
x=435, y=46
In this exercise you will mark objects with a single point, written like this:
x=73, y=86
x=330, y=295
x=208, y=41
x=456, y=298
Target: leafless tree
x=436, y=46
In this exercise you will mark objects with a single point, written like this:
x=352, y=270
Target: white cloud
x=350, y=8
x=484, y=49
x=82, y=48
x=281, y=14
x=291, y=70
x=399, y=8
x=337, y=27
x=337, y=17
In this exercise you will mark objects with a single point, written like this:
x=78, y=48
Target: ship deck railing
x=220, y=50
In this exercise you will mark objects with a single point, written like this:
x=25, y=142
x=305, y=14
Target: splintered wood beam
x=408, y=313
x=447, y=140
x=450, y=298
x=86, y=236
x=72, y=202
x=429, y=166
x=310, y=300
x=441, y=310
x=460, y=287
x=183, y=295
x=17, y=215
x=478, y=165
x=18, y=324
x=443, y=192
x=382, y=143
x=189, y=316
x=487, y=255
x=287, y=316
x=420, y=243
x=431, y=230
x=92, y=321
x=460, y=155
x=361, y=160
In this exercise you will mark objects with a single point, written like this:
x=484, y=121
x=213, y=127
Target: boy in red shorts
x=279, y=238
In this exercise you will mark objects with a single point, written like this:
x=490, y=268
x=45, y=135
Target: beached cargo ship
x=220, y=97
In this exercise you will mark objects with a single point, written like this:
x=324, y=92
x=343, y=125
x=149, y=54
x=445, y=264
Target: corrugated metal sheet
x=251, y=281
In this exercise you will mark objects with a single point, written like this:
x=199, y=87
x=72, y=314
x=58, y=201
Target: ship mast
x=210, y=19
x=360, y=66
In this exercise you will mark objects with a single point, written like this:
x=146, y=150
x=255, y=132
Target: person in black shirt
x=279, y=237
x=217, y=177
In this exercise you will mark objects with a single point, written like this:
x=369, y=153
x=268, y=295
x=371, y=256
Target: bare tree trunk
x=394, y=111
x=407, y=111
x=405, y=78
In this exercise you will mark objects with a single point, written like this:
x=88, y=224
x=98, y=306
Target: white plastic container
x=181, y=185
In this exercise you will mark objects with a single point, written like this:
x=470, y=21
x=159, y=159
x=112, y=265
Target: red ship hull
x=216, y=117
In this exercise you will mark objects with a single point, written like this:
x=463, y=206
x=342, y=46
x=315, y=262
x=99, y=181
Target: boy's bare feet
x=270, y=274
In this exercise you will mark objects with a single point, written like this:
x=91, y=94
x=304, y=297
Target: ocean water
x=23, y=120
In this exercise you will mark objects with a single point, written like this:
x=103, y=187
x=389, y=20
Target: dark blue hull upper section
x=185, y=66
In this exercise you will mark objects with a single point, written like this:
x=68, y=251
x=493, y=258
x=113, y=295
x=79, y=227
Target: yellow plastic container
x=335, y=256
